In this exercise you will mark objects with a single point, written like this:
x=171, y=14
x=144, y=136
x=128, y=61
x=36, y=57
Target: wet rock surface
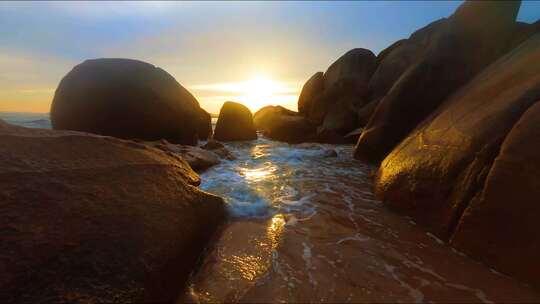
x=93, y=219
x=448, y=173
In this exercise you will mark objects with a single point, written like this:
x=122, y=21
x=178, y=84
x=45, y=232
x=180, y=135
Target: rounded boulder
x=127, y=99
x=235, y=122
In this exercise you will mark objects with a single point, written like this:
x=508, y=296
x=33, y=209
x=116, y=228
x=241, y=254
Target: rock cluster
x=88, y=218
x=456, y=129
x=453, y=114
x=471, y=171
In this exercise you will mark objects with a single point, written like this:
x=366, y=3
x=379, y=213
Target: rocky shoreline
x=105, y=207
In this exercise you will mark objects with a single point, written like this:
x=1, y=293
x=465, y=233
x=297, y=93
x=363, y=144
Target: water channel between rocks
x=305, y=227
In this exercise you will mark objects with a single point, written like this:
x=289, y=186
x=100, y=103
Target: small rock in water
x=199, y=159
x=212, y=145
x=327, y=153
x=218, y=148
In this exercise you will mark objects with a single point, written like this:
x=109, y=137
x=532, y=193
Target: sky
x=257, y=53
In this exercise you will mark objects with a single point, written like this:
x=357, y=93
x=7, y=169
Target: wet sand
x=341, y=246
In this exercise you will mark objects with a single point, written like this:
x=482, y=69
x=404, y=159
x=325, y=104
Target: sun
x=256, y=92
x=260, y=91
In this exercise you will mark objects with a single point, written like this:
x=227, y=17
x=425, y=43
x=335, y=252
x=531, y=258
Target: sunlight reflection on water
x=270, y=177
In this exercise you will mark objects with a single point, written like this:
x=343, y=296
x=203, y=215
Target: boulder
x=460, y=47
x=345, y=87
x=235, y=122
x=454, y=162
x=212, y=145
x=285, y=125
x=204, y=126
x=500, y=225
x=365, y=112
x=339, y=105
x=392, y=67
x=94, y=219
x=218, y=148
x=393, y=61
x=311, y=89
x=357, y=63
x=127, y=99
x=198, y=159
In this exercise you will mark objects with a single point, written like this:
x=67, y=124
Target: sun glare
x=255, y=93
x=261, y=91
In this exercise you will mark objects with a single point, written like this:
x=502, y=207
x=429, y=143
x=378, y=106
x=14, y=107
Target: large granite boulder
x=92, y=219
x=340, y=104
x=453, y=162
x=311, y=89
x=401, y=55
x=128, y=99
x=279, y=123
x=357, y=63
x=345, y=86
x=235, y=122
x=459, y=47
x=500, y=225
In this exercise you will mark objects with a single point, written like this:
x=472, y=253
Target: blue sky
x=204, y=45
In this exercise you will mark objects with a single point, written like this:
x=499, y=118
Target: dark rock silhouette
x=330, y=101
x=345, y=86
x=89, y=218
x=199, y=159
x=218, y=148
x=127, y=99
x=204, y=126
x=282, y=124
x=311, y=89
x=461, y=46
x=453, y=176
x=235, y=122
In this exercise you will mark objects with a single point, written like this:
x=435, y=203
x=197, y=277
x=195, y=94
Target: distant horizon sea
x=27, y=119
x=39, y=120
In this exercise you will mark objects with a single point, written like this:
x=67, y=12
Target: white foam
x=416, y=294
x=434, y=238
x=306, y=255
x=357, y=237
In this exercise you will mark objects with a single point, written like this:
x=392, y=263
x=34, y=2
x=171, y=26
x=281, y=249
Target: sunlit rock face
x=235, y=122
x=128, y=99
x=458, y=48
x=452, y=171
x=93, y=219
x=500, y=225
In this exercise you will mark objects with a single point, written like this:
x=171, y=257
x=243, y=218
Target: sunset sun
x=255, y=92
x=260, y=91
